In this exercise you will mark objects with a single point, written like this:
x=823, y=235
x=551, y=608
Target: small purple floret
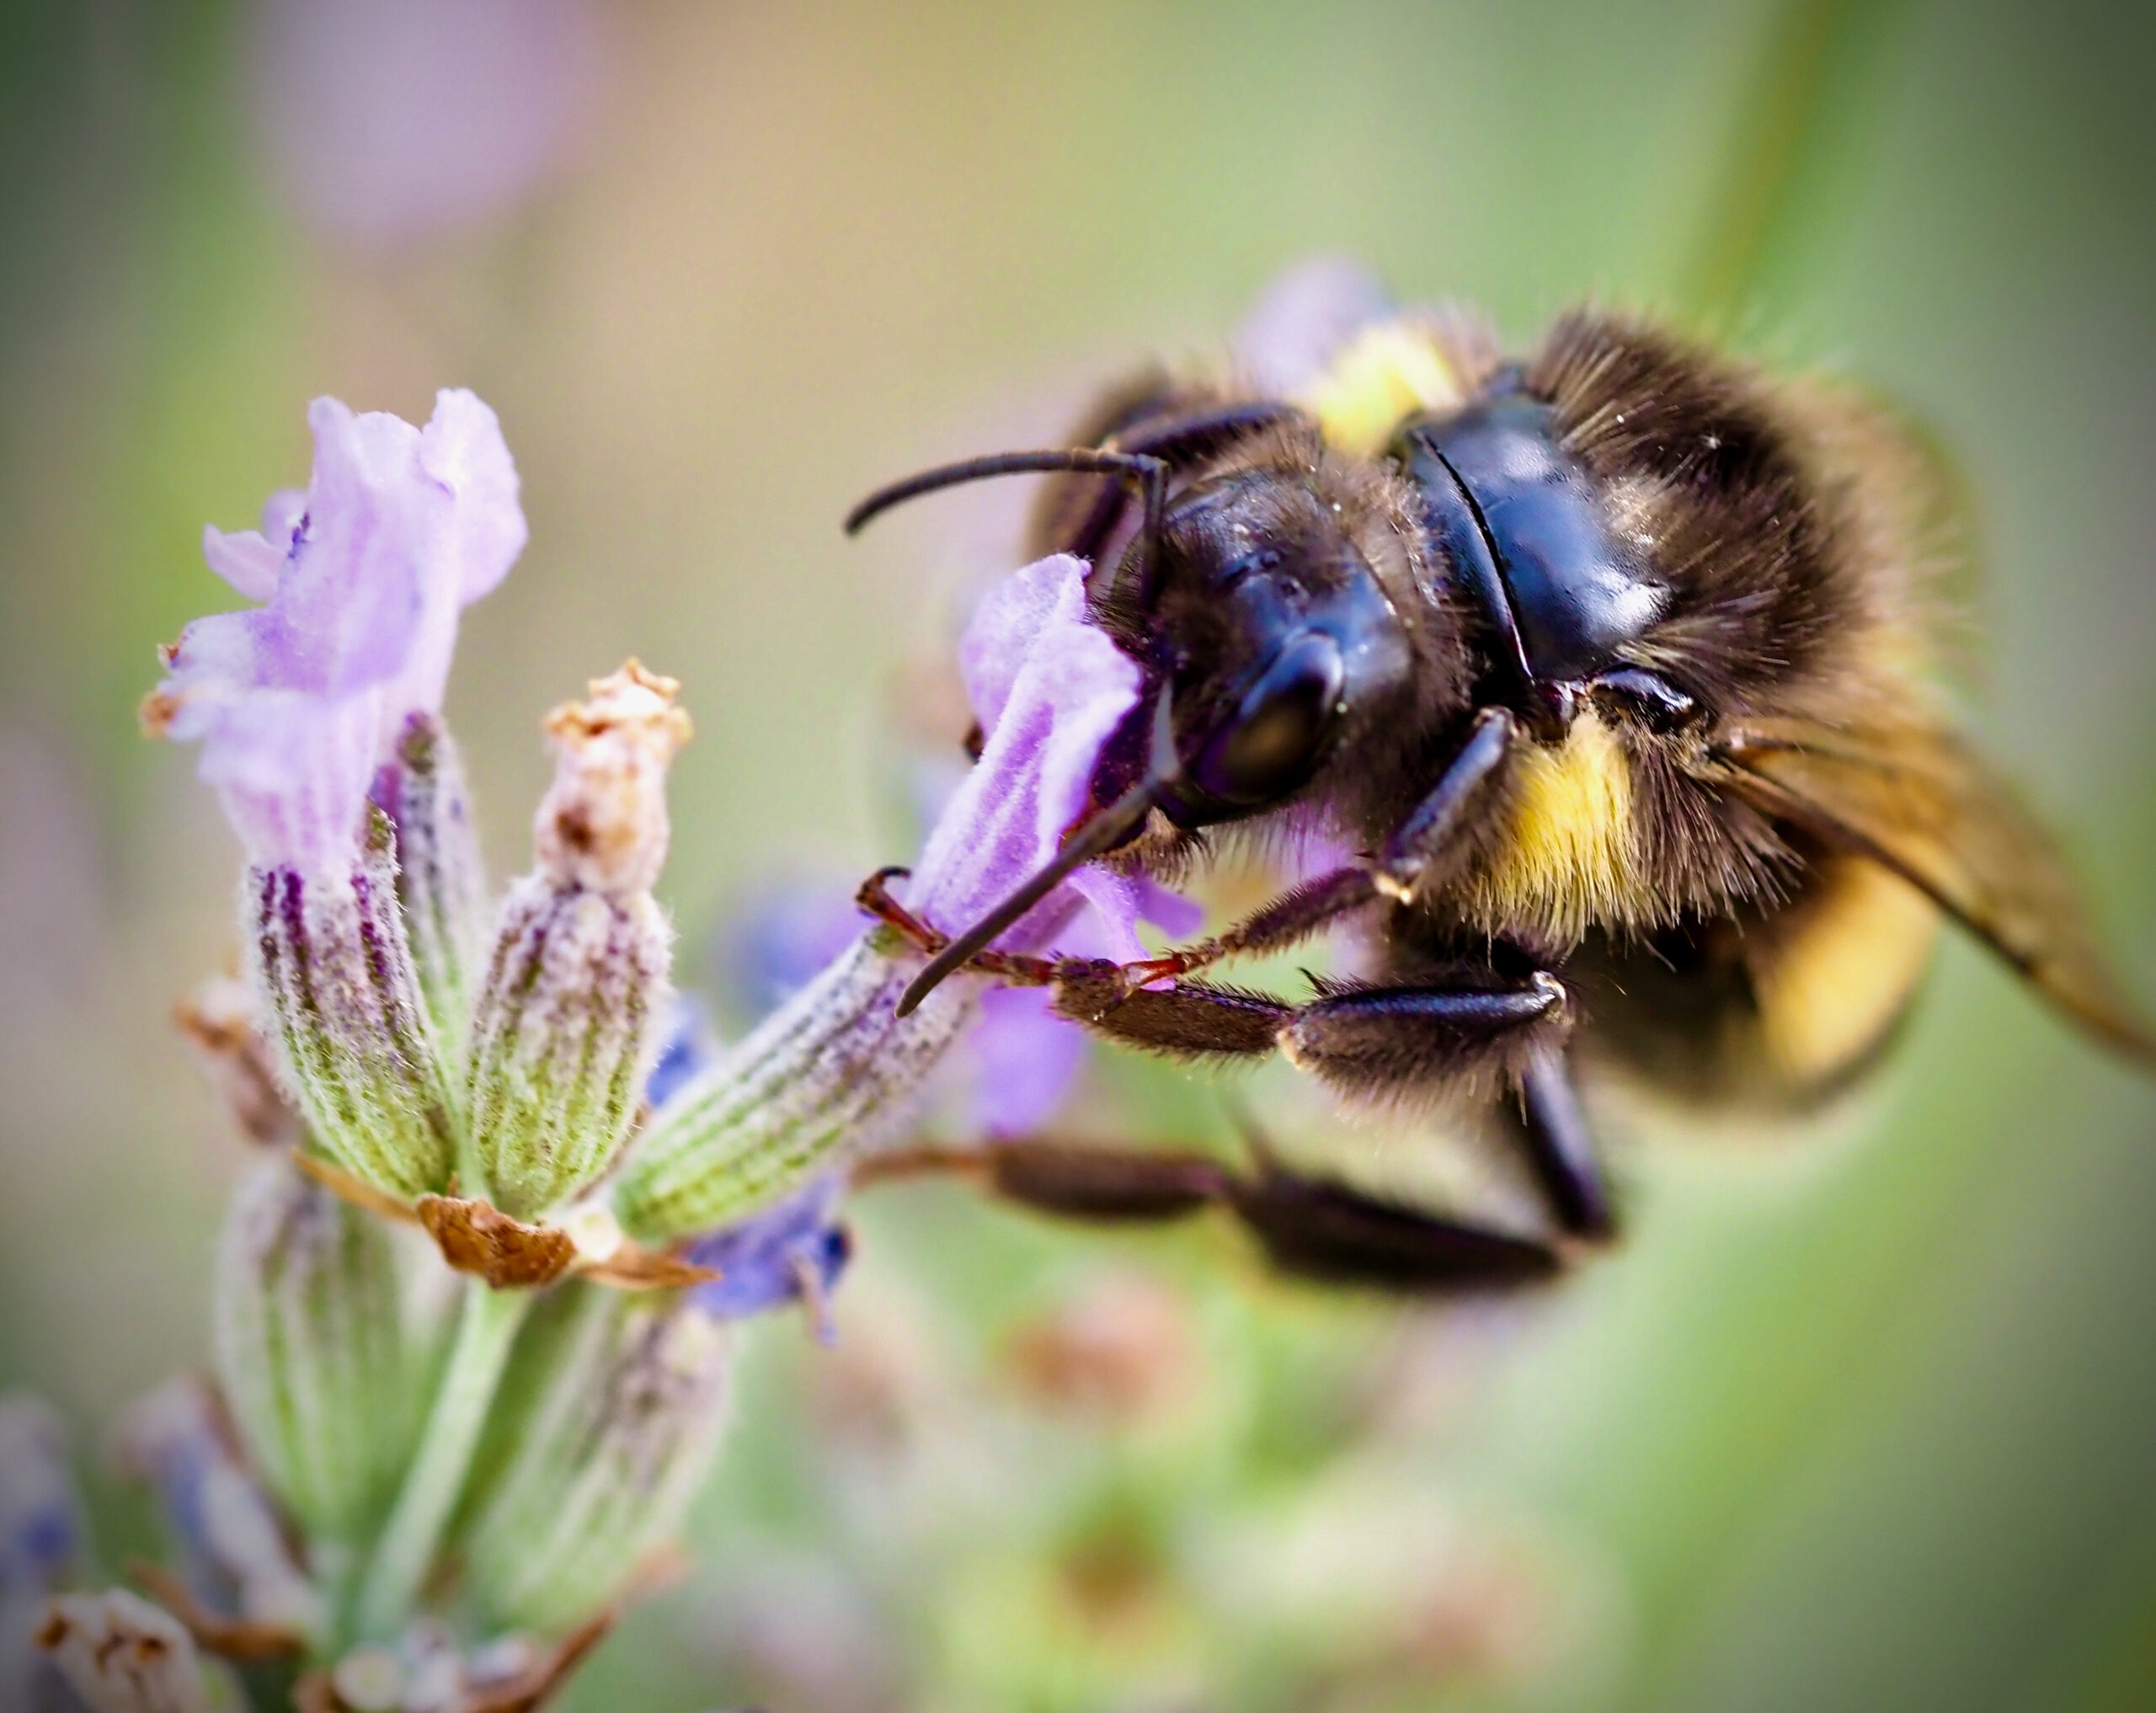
x=794, y=1249
x=1049, y=689
x=297, y=703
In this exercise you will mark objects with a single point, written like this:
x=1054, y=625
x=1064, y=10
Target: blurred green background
x=1866, y=1423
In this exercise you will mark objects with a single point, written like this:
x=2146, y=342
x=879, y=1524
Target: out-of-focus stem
x=1797, y=116
x=484, y=1332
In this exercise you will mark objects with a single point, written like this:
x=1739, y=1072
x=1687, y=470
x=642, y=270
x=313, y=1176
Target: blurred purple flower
x=388, y=121
x=1303, y=320
x=791, y=1251
x=686, y=1046
x=778, y=937
x=41, y=1540
x=297, y=703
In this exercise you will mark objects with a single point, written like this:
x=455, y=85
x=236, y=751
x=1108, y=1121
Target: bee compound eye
x=1269, y=744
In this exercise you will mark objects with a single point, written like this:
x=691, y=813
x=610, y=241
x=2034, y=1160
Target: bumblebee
x=1613, y=666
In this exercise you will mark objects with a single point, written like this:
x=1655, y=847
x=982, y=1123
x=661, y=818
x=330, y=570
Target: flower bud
x=122, y=1655
x=604, y=1430
x=329, y=1324
x=441, y=882
x=330, y=958
x=833, y=1070
x=577, y=992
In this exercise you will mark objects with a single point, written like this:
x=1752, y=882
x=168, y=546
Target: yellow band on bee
x=1388, y=373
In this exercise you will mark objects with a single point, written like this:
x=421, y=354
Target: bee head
x=1267, y=618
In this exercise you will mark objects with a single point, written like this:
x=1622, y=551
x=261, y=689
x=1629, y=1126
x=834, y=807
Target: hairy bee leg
x=1309, y=1227
x=1428, y=836
x=1560, y=1146
x=1396, y=1040
x=1294, y=915
x=1183, y=1019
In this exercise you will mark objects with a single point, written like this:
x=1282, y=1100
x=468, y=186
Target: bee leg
x=1428, y=836
x=1183, y=1019
x=1379, y=1041
x=1431, y=830
x=1309, y=1227
x=1553, y=1133
x=1317, y=1228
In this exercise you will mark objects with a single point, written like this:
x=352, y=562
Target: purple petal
x=770, y=1259
x=297, y=703
x=778, y=939
x=686, y=1046
x=244, y=559
x=1025, y=1059
x=1050, y=688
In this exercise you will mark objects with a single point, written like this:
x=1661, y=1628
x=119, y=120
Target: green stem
x=1801, y=124
x=485, y=1330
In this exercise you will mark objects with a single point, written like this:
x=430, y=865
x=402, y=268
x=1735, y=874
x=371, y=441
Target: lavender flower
x=298, y=701
x=833, y=1071
x=330, y=690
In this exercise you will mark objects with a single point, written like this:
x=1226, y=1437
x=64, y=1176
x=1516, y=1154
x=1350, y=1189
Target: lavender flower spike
x=297, y=702
x=833, y=1070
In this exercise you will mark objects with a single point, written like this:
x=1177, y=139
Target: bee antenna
x=1150, y=472
x=1095, y=838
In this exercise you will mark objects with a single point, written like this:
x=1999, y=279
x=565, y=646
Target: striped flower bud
x=604, y=1430
x=576, y=995
x=830, y=1071
x=329, y=1325
x=330, y=958
x=441, y=882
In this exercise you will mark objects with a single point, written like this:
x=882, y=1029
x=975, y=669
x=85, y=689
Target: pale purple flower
x=391, y=120
x=1049, y=689
x=297, y=703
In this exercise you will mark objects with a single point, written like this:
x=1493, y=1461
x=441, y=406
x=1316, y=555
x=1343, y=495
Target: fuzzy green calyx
x=604, y=1428
x=566, y=1022
x=330, y=954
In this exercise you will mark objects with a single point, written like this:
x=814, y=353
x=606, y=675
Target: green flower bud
x=832, y=1070
x=578, y=983
x=441, y=882
x=329, y=1324
x=605, y=1429
x=330, y=958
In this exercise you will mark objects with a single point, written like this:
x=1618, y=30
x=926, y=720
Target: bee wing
x=1920, y=800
